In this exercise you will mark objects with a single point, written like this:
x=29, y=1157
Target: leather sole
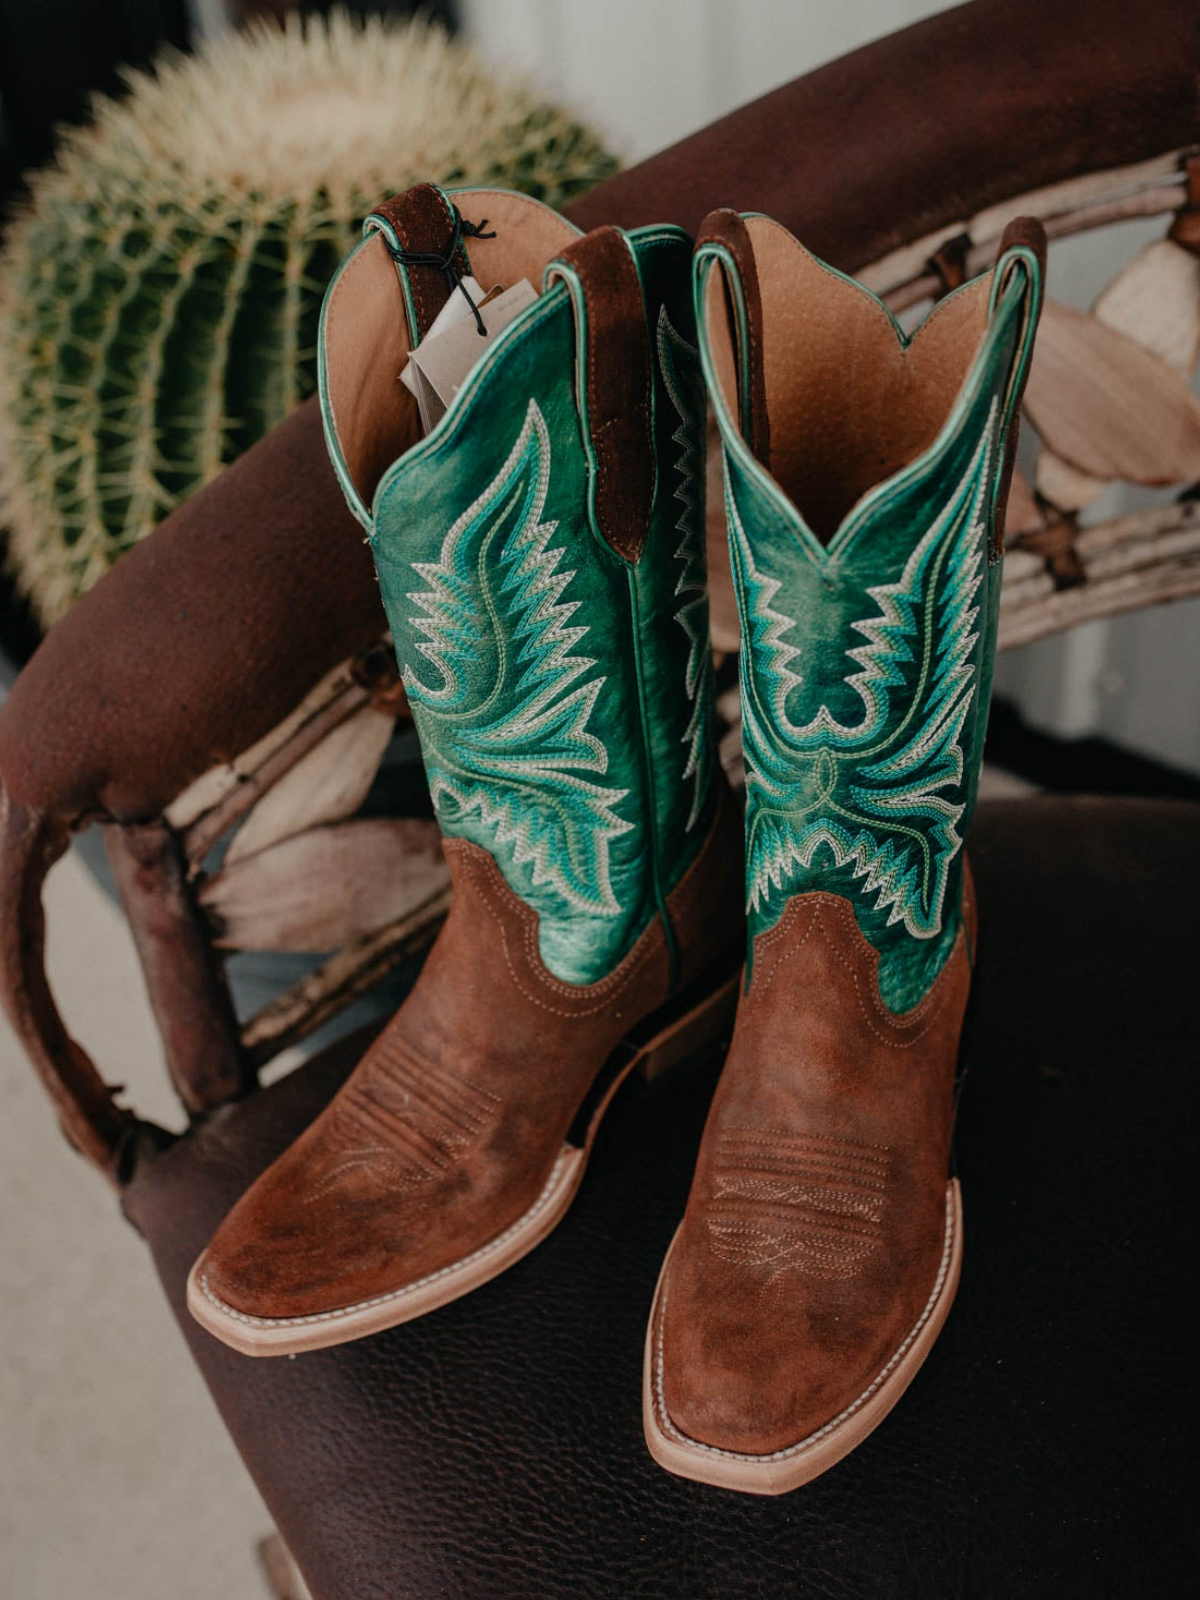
x=799, y=1463
x=661, y=1041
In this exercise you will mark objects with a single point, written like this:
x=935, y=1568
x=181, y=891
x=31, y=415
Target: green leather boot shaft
x=561, y=694
x=866, y=667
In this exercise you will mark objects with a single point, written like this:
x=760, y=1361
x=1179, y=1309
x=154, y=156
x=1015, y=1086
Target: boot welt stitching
x=669, y=1427
x=538, y=1206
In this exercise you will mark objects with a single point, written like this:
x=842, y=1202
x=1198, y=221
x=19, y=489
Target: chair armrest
x=199, y=640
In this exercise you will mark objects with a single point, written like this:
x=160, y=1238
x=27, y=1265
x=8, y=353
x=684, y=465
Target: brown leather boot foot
x=821, y=1247
x=460, y=1140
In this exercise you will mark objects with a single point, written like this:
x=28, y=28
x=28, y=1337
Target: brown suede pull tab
x=728, y=229
x=615, y=358
x=421, y=222
x=1024, y=233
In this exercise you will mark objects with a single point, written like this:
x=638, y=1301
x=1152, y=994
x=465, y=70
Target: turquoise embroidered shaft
x=866, y=669
x=562, y=695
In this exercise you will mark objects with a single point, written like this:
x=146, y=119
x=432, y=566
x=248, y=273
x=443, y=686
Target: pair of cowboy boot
x=541, y=560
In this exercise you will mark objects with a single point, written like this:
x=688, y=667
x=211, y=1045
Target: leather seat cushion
x=493, y=1451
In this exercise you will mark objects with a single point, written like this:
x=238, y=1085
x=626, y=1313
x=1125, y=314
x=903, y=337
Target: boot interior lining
x=367, y=344
x=847, y=404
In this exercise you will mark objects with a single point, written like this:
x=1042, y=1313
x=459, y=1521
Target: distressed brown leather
x=447, y=1131
x=494, y=1450
x=423, y=223
x=816, y=1223
x=612, y=328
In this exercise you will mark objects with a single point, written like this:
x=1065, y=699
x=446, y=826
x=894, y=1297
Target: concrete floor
x=117, y=1480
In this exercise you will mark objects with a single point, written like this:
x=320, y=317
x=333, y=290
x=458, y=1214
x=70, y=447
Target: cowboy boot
x=864, y=471
x=540, y=555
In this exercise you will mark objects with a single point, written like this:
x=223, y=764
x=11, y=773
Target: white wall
x=649, y=72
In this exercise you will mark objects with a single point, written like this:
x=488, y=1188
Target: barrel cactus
x=160, y=290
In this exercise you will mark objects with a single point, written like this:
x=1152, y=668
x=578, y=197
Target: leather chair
x=493, y=1451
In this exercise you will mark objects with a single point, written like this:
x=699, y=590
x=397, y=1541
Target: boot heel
x=699, y=1025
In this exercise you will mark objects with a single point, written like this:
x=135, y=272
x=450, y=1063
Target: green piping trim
x=332, y=442
x=376, y=224
x=1021, y=262
x=573, y=284
x=733, y=278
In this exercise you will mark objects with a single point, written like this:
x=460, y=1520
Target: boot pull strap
x=725, y=238
x=423, y=232
x=613, y=376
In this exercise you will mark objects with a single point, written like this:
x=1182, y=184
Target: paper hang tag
x=448, y=353
x=453, y=311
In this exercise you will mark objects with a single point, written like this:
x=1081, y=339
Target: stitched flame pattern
x=881, y=796
x=502, y=694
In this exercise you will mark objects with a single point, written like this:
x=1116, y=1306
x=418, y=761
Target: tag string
x=446, y=262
